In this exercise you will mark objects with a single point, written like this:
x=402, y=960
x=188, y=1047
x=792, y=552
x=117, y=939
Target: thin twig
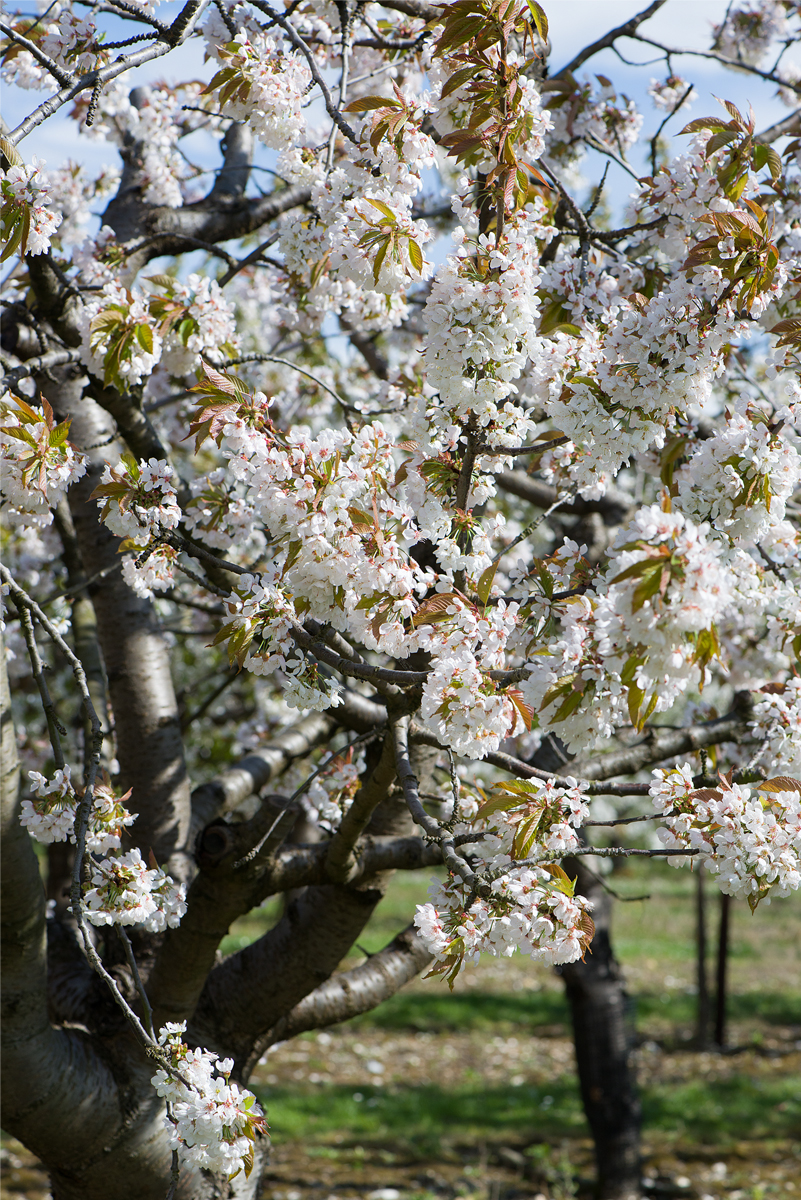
x=285, y=362
x=299, y=44
x=408, y=781
x=207, y=703
x=611, y=891
x=137, y=978
x=65, y=78
x=54, y=727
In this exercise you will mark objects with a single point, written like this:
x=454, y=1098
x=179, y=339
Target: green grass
x=424, y=1116
x=733, y=1109
x=712, y=1111
x=532, y=1012
x=438, y=1011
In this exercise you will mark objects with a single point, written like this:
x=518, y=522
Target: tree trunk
x=602, y=1015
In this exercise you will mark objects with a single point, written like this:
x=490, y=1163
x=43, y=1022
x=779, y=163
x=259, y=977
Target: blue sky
x=574, y=23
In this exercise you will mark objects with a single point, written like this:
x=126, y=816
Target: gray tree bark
x=603, y=1033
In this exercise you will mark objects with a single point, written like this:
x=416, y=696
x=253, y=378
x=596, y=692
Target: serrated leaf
x=379, y=260
x=222, y=76
x=434, y=609
x=415, y=256
x=384, y=209
x=527, y=714
x=526, y=836
x=559, y=873
x=700, y=123
x=539, y=18
x=634, y=699
x=563, y=685
x=371, y=103
x=144, y=336
x=780, y=783
x=568, y=706
x=11, y=152
x=458, y=79
x=58, y=436
x=485, y=582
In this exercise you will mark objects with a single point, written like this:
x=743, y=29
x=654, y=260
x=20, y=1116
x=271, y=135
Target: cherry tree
x=441, y=514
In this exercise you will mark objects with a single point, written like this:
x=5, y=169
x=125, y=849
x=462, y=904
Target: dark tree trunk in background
x=723, y=954
x=701, y=979
x=603, y=1030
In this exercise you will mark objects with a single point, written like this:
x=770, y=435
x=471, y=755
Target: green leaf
x=568, y=706
x=222, y=76
x=459, y=78
x=132, y=465
x=630, y=669
x=144, y=336
x=11, y=152
x=652, y=582
x=485, y=582
x=560, y=688
x=165, y=281
x=370, y=103
x=635, y=698
x=379, y=259
x=58, y=436
x=384, y=209
x=415, y=256
x=713, y=123
x=539, y=18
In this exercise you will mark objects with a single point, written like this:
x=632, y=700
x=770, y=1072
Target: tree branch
x=98, y=79
x=341, y=864
x=65, y=78
x=351, y=993
x=299, y=866
x=614, y=504
x=659, y=743
x=252, y=773
x=627, y=29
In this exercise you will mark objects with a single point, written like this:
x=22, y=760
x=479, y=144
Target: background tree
x=462, y=510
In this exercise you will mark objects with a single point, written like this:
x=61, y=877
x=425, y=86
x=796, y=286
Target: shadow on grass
x=419, y=1119
x=439, y=1012
x=530, y=1012
x=774, y=1008
x=723, y=1110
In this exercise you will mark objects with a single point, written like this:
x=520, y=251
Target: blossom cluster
x=124, y=890
x=672, y=93
x=138, y=502
x=777, y=721
x=38, y=463
x=331, y=793
x=530, y=905
x=263, y=84
x=527, y=912
x=750, y=29
x=126, y=333
x=212, y=1122
x=644, y=637
x=482, y=327
x=750, y=838
x=68, y=38
x=28, y=221
x=50, y=815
